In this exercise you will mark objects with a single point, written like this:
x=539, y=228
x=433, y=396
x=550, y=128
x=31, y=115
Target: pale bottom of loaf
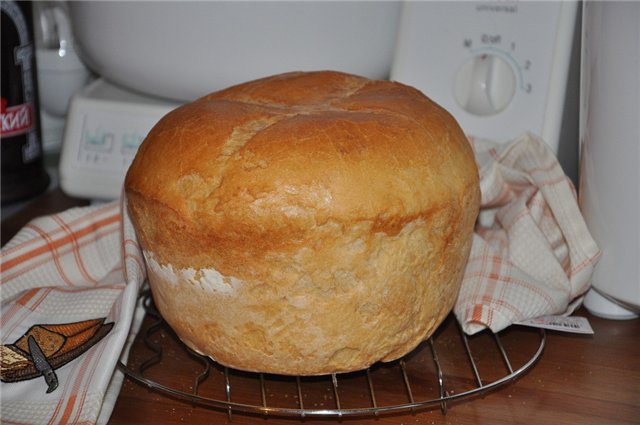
x=332, y=320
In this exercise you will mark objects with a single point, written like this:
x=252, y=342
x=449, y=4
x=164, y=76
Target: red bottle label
x=16, y=119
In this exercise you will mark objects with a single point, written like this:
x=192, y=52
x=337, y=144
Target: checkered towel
x=532, y=255
x=79, y=265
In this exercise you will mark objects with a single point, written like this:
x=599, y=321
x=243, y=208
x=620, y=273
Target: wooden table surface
x=579, y=379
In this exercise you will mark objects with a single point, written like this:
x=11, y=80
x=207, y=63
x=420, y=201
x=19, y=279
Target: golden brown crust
x=316, y=200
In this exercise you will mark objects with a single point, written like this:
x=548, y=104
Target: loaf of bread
x=305, y=223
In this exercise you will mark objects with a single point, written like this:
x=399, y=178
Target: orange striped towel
x=532, y=254
x=65, y=268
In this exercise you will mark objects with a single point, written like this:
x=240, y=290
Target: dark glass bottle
x=23, y=172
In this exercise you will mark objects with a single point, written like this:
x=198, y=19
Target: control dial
x=484, y=85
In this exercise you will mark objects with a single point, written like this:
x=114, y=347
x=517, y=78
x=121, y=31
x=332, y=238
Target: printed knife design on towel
x=44, y=348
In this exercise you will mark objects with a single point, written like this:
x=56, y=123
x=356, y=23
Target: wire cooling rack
x=448, y=367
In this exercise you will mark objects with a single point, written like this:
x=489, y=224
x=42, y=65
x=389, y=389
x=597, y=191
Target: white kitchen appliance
x=500, y=67
x=61, y=73
x=149, y=51
x=610, y=153
x=105, y=126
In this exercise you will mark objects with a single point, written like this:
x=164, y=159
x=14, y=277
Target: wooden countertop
x=579, y=379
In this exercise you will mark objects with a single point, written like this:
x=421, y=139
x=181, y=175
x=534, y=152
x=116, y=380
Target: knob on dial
x=485, y=85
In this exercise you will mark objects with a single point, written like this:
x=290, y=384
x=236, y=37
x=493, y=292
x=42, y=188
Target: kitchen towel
x=71, y=281
x=532, y=254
